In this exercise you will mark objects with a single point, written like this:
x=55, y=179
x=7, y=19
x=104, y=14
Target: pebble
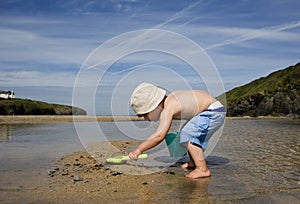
x=97, y=166
x=77, y=164
x=65, y=173
x=51, y=172
x=115, y=173
x=77, y=179
x=170, y=172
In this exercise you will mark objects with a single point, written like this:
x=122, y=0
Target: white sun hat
x=146, y=97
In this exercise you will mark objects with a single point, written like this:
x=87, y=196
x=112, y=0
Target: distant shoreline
x=21, y=119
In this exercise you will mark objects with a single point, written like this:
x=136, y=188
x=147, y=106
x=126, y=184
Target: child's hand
x=134, y=154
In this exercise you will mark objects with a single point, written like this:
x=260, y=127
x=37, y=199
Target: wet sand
x=256, y=161
x=79, y=178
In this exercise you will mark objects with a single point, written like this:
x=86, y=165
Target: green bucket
x=172, y=139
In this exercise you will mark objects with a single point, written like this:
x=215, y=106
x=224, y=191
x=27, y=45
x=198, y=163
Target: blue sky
x=43, y=44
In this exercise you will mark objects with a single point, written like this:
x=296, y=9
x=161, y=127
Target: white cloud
x=19, y=46
x=268, y=33
x=36, y=78
x=241, y=42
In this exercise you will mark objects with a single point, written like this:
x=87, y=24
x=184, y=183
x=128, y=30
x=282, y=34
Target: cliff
x=278, y=94
x=31, y=107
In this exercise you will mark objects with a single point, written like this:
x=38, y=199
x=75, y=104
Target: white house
x=7, y=94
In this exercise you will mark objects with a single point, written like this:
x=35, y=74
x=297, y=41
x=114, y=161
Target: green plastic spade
x=117, y=160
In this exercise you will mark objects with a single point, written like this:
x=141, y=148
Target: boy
x=204, y=114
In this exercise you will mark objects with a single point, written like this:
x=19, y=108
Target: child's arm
x=156, y=138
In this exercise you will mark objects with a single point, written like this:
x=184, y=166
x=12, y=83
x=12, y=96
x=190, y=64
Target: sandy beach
x=17, y=119
x=79, y=178
x=29, y=119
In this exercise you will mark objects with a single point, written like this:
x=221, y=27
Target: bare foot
x=197, y=173
x=188, y=165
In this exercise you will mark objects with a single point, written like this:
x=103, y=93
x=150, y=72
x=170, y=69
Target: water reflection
x=6, y=133
x=199, y=190
x=183, y=190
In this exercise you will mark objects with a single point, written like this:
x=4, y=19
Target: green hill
x=30, y=107
x=278, y=94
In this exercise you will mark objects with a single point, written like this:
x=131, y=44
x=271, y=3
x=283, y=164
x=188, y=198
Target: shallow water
x=259, y=162
x=255, y=161
x=28, y=150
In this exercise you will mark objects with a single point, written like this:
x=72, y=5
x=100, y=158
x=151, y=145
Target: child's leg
x=188, y=165
x=197, y=156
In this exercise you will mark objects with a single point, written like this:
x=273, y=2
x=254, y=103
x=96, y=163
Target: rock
x=77, y=164
x=98, y=166
x=170, y=172
x=77, y=179
x=52, y=172
x=275, y=95
x=280, y=104
x=65, y=172
x=115, y=173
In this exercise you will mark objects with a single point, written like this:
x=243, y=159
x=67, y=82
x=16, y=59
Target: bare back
x=188, y=103
x=178, y=105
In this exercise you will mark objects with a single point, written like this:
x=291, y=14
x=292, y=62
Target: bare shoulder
x=188, y=93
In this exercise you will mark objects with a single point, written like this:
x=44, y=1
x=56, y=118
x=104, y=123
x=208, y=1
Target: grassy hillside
x=282, y=80
x=275, y=94
x=31, y=107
